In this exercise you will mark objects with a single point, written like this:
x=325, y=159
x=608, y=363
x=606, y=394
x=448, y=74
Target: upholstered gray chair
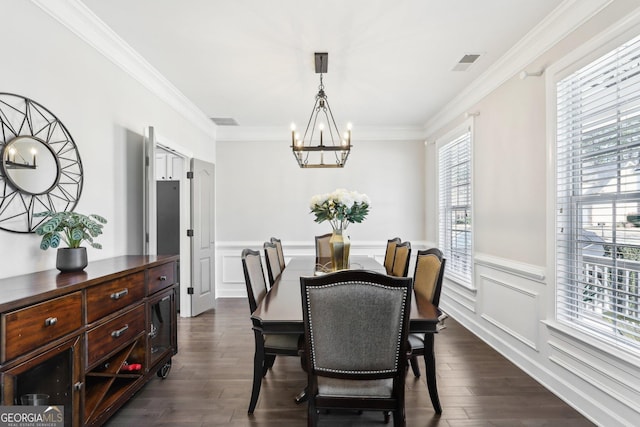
x=390, y=254
x=356, y=327
x=278, y=244
x=401, y=259
x=323, y=249
x=427, y=286
x=266, y=346
x=273, y=261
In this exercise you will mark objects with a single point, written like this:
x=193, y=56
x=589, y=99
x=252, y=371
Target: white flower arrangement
x=340, y=208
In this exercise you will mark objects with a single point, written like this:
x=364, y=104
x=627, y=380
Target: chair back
x=253, y=277
x=401, y=260
x=390, y=254
x=356, y=324
x=278, y=244
x=323, y=249
x=272, y=260
x=428, y=274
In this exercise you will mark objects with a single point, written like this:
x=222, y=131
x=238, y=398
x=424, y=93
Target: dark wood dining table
x=280, y=312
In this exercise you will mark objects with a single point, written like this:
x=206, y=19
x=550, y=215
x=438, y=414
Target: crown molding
x=567, y=17
x=80, y=20
x=283, y=134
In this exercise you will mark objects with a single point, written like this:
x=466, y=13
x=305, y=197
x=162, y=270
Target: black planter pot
x=71, y=259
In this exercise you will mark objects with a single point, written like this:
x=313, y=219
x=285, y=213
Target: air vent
x=467, y=61
x=224, y=121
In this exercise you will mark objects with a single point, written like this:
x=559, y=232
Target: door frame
x=185, y=219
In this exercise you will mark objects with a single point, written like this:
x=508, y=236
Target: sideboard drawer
x=113, y=334
x=114, y=295
x=161, y=277
x=31, y=327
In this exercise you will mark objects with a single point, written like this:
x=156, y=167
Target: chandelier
x=321, y=146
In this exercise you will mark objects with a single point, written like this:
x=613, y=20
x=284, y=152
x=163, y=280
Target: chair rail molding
x=524, y=270
x=230, y=278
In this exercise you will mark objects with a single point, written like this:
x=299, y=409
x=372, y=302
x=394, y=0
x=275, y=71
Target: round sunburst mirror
x=40, y=167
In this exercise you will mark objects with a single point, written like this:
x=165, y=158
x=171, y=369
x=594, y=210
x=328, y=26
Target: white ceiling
x=390, y=62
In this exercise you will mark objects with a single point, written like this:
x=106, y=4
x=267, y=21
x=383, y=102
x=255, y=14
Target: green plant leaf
x=99, y=218
x=70, y=227
x=45, y=243
x=54, y=240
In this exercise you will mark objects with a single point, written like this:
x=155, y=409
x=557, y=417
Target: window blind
x=454, y=170
x=598, y=194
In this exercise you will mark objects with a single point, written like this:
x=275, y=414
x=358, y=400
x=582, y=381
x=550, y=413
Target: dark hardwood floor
x=210, y=385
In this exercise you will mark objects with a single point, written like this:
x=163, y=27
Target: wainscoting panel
x=453, y=293
x=603, y=367
x=511, y=308
x=230, y=278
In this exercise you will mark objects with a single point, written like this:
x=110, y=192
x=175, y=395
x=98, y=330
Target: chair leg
x=312, y=414
x=268, y=363
x=399, y=419
x=430, y=366
x=258, y=369
x=415, y=367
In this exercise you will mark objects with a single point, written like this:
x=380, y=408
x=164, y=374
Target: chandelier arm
x=314, y=111
x=335, y=126
x=329, y=118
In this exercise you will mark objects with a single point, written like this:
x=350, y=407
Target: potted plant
x=340, y=208
x=71, y=228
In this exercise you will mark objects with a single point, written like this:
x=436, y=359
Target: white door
x=203, y=238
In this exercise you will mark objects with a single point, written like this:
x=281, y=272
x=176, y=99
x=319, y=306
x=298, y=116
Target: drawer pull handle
x=50, y=321
x=163, y=278
x=78, y=386
x=118, y=333
x=118, y=295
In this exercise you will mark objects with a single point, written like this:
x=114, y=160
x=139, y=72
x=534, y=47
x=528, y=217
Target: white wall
x=262, y=193
x=511, y=303
x=105, y=110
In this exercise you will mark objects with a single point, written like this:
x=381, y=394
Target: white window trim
x=466, y=126
x=599, y=45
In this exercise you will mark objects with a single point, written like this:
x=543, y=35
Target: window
x=598, y=196
x=454, y=176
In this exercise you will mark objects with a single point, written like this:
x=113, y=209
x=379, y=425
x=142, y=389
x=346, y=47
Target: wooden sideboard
x=89, y=340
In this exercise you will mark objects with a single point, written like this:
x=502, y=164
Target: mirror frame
x=22, y=117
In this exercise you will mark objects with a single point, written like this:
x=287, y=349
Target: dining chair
x=278, y=244
x=390, y=253
x=323, y=249
x=355, y=344
x=267, y=346
x=427, y=286
x=401, y=259
x=273, y=261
